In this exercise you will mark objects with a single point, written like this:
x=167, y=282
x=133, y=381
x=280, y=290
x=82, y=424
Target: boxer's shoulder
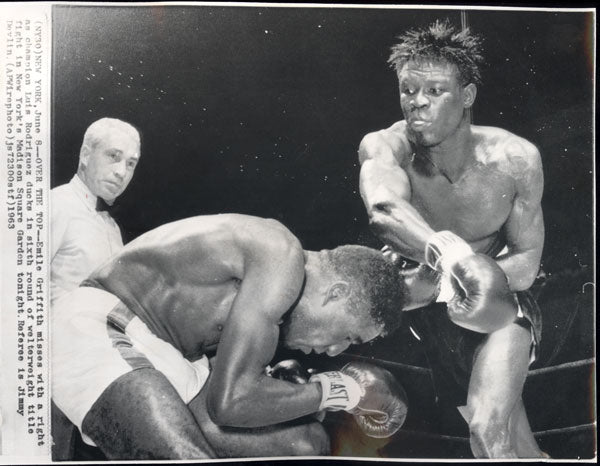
x=386, y=143
x=506, y=151
x=266, y=240
x=263, y=230
x=225, y=239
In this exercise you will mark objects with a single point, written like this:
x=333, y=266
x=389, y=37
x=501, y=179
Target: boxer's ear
x=469, y=94
x=337, y=290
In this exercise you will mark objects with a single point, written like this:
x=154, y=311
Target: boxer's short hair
x=443, y=42
x=375, y=282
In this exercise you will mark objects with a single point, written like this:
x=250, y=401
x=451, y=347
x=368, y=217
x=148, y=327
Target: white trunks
x=96, y=339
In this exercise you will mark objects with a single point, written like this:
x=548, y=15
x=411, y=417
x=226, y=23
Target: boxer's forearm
x=386, y=194
x=520, y=268
x=402, y=228
x=524, y=232
x=267, y=402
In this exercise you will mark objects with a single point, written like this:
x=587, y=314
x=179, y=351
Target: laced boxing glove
x=480, y=299
x=371, y=394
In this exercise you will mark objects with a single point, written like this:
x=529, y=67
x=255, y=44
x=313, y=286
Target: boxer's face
x=432, y=100
x=109, y=166
x=329, y=330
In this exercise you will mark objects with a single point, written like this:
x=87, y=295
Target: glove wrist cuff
x=444, y=249
x=339, y=391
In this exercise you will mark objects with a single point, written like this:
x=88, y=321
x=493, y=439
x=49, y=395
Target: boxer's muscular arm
x=385, y=189
x=524, y=229
x=239, y=392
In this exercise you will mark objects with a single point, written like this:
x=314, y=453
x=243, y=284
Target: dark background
x=260, y=111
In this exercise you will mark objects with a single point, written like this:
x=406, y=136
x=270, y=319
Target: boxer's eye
x=408, y=90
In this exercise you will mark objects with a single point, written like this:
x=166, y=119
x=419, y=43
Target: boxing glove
x=420, y=280
x=289, y=370
x=481, y=300
x=370, y=393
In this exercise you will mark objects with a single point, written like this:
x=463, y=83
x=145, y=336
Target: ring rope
x=436, y=436
x=541, y=433
x=563, y=430
x=566, y=365
x=534, y=372
x=421, y=370
x=425, y=370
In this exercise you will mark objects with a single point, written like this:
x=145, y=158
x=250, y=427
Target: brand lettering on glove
x=338, y=392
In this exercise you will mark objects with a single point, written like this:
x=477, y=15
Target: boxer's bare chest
x=475, y=206
x=196, y=313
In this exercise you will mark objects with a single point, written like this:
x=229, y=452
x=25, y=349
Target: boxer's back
x=181, y=278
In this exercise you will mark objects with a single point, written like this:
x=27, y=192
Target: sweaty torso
x=181, y=278
x=477, y=204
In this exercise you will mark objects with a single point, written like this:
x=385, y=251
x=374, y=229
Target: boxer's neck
x=452, y=155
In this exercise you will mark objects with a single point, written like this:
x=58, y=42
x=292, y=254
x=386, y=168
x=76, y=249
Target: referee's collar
x=84, y=193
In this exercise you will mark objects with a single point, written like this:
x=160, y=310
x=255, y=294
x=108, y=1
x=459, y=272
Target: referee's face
x=109, y=166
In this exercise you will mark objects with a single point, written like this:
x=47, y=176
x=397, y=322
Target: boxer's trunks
x=450, y=348
x=96, y=339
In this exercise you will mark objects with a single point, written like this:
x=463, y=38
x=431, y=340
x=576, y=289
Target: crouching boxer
x=130, y=346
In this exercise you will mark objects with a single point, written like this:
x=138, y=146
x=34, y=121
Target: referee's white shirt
x=81, y=237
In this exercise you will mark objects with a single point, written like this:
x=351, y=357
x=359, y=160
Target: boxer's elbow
x=222, y=414
x=381, y=221
x=523, y=280
x=228, y=411
x=375, y=224
x=214, y=409
x=375, y=214
x=522, y=284
x=220, y=409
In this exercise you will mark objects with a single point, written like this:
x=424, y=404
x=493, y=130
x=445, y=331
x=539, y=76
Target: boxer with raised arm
x=438, y=189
